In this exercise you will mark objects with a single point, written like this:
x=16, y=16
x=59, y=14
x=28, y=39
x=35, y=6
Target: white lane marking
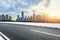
x=1, y=38
x=45, y=33
x=4, y=36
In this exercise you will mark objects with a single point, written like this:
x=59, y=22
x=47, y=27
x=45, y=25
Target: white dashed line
x=45, y=33
x=4, y=36
x=1, y=38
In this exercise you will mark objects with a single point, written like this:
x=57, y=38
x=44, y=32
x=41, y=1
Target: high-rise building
x=30, y=18
x=0, y=17
x=22, y=15
x=6, y=17
x=3, y=17
x=34, y=16
x=38, y=18
x=18, y=18
x=25, y=18
x=10, y=18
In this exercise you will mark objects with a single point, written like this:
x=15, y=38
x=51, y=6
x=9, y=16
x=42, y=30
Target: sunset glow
x=44, y=9
x=53, y=9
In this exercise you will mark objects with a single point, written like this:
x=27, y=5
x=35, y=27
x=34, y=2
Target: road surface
x=25, y=32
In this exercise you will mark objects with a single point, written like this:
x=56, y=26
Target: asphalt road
x=25, y=32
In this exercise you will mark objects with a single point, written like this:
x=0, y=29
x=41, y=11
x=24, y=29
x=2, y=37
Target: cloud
x=14, y=5
x=47, y=3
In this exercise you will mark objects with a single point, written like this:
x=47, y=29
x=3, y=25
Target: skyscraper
x=6, y=17
x=25, y=18
x=3, y=17
x=18, y=18
x=10, y=18
x=0, y=17
x=30, y=18
x=22, y=15
x=34, y=16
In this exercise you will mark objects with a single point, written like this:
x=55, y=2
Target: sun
x=53, y=14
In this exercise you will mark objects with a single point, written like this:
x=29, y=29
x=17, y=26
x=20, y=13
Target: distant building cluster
x=5, y=17
x=37, y=18
x=23, y=17
x=45, y=18
x=42, y=17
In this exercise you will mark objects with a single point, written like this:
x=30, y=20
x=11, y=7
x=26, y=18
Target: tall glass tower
x=22, y=15
x=18, y=18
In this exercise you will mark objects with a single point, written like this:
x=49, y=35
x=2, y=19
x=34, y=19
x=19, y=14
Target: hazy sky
x=18, y=5
x=14, y=7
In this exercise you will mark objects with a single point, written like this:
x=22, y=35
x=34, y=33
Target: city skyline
x=14, y=7
x=5, y=17
x=43, y=17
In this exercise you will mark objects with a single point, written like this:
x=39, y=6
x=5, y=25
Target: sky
x=14, y=7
